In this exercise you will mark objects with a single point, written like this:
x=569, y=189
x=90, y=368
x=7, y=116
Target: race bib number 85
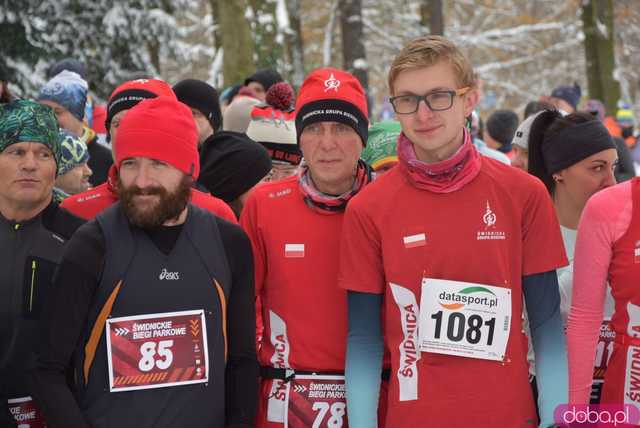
x=157, y=350
x=464, y=319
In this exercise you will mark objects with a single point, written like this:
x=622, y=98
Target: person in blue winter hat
x=566, y=98
x=69, y=91
x=66, y=94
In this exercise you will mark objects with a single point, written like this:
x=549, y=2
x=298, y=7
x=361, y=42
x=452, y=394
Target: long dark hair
x=549, y=122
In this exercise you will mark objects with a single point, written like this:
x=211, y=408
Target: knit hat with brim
x=332, y=95
x=521, y=137
x=28, y=121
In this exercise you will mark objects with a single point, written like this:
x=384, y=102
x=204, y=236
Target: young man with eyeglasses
x=441, y=249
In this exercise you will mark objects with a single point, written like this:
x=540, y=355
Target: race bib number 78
x=157, y=350
x=316, y=401
x=464, y=319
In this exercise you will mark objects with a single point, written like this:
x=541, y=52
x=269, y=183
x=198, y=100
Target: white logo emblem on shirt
x=279, y=193
x=169, y=276
x=331, y=83
x=489, y=217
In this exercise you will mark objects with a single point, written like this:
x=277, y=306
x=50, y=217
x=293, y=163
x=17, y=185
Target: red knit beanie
x=132, y=92
x=160, y=128
x=332, y=95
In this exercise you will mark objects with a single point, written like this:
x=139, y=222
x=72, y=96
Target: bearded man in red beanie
x=154, y=300
x=90, y=203
x=294, y=225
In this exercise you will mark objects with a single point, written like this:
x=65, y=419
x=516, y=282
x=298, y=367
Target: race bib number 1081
x=157, y=350
x=464, y=319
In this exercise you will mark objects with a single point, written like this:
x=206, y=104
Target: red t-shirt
x=92, y=202
x=496, y=229
x=303, y=314
x=296, y=267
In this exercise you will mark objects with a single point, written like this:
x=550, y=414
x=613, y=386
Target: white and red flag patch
x=417, y=240
x=294, y=250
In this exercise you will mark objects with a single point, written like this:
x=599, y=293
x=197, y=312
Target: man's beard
x=169, y=206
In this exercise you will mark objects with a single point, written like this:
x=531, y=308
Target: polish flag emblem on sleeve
x=294, y=250
x=415, y=240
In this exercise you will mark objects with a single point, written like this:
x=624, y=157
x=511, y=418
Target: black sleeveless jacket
x=133, y=284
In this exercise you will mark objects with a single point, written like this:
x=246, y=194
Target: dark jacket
x=100, y=160
x=29, y=254
x=625, y=169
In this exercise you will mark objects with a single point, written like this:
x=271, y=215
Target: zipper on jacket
x=33, y=281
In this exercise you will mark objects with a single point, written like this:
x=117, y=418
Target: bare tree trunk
x=294, y=43
x=236, y=41
x=264, y=31
x=431, y=15
x=354, y=57
x=597, y=22
x=215, y=14
x=153, y=46
x=154, y=53
x=328, y=35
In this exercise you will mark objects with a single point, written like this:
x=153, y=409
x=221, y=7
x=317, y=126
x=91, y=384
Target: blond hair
x=426, y=51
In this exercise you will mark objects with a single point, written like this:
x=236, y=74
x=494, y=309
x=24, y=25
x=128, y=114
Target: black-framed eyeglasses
x=436, y=101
